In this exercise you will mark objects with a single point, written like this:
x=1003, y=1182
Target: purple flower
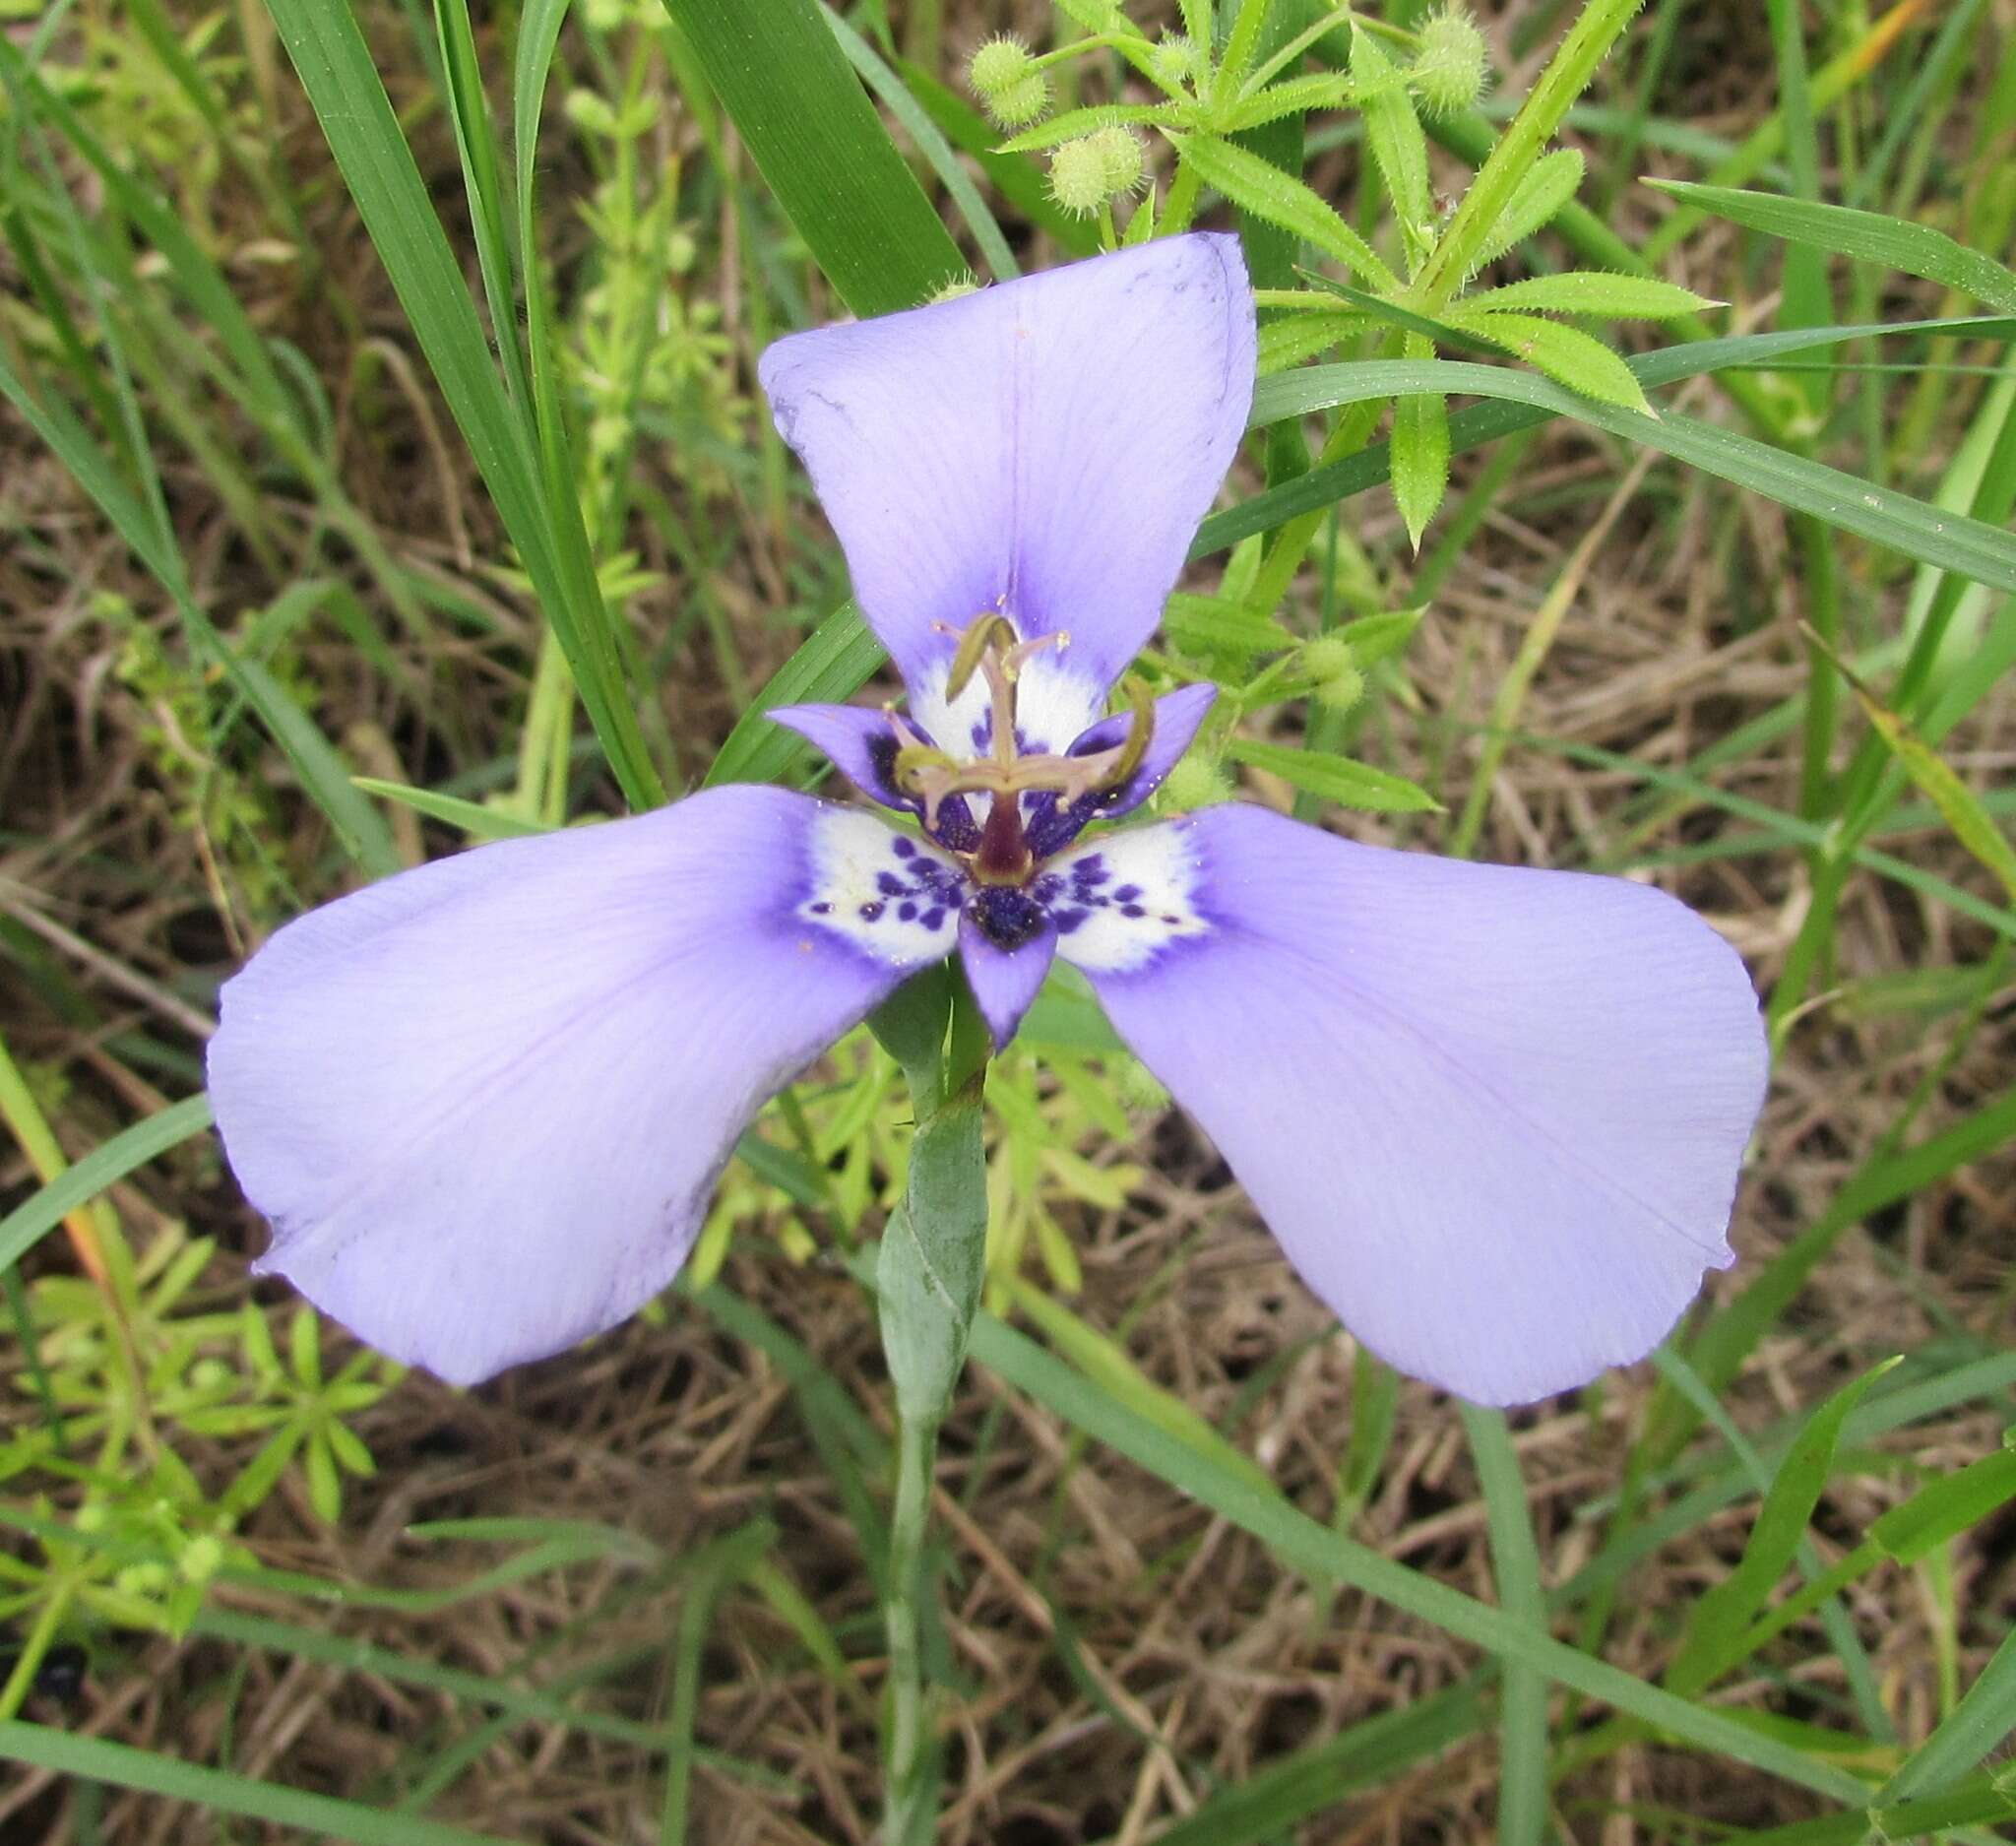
x=1494, y=1116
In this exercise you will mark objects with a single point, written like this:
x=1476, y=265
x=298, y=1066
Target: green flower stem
x=907, y=1781
x=928, y=1278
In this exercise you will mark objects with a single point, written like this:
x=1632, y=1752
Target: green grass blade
x=1867, y=236
x=821, y=149
x=222, y=1792
x=832, y=663
x=1732, y=1334
x=1480, y=424
x=1300, y=1542
x=126, y=1152
x=1716, y=1625
x=1979, y=1724
x=926, y=137
x=324, y=776
x=1523, y=1731
x=1906, y=525
x=348, y=97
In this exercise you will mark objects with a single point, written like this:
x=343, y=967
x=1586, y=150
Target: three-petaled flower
x=1494, y=1116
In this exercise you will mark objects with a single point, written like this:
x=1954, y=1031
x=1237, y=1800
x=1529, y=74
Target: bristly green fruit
x=1011, y=89
x=1450, y=71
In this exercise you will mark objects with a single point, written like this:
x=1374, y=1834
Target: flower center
x=990, y=648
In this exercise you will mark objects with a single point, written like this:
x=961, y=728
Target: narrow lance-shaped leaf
x=1267, y=192
x=1566, y=355
x=1596, y=293
x=1867, y=236
x=1336, y=778
x=1420, y=450
x=1553, y=180
x=1397, y=142
x=1721, y=1616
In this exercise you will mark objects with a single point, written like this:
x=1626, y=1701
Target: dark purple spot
x=1132, y=910
x=821, y=908
x=869, y=912
x=1127, y=894
x=1007, y=916
x=906, y=913
x=901, y=848
x=1172, y=922
x=889, y=884
x=1067, y=919
x=1091, y=870
x=933, y=918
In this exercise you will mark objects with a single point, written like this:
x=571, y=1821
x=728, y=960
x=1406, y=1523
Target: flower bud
x=1094, y=169
x=589, y=112
x=1194, y=783
x=1010, y=86
x=1449, y=70
x=1178, y=60
x=1326, y=658
x=1341, y=691
x=1124, y=158
x=1138, y=1086
x=1078, y=177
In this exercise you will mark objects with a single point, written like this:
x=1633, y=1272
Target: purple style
x=1494, y=1115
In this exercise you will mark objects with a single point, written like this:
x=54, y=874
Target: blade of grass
x=821, y=149
x=222, y=1791
x=1906, y=525
x=1523, y=1692
x=328, y=51
x=1480, y=424
x=925, y=136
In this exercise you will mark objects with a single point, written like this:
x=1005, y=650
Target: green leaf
x=1958, y=804
x=1336, y=778
x=1867, y=236
x=1074, y=123
x=821, y=149
x=222, y=1791
x=1716, y=1625
x=925, y=136
x=1220, y=625
x=111, y=1161
x=1553, y=179
x=832, y=663
x=471, y=817
x=1262, y=188
x=343, y=84
x=1420, y=450
x=1106, y=1363
x=1296, y=338
x=1297, y=97
x=1398, y=144
x=1566, y=355
x=1478, y=423
x=1374, y=638
x=1592, y=292
x=1950, y=541
x=933, y=1258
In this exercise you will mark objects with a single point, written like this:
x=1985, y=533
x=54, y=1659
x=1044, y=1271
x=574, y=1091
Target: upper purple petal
x=1045, y=446
x=1495, y=1116
x=485, y=1104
